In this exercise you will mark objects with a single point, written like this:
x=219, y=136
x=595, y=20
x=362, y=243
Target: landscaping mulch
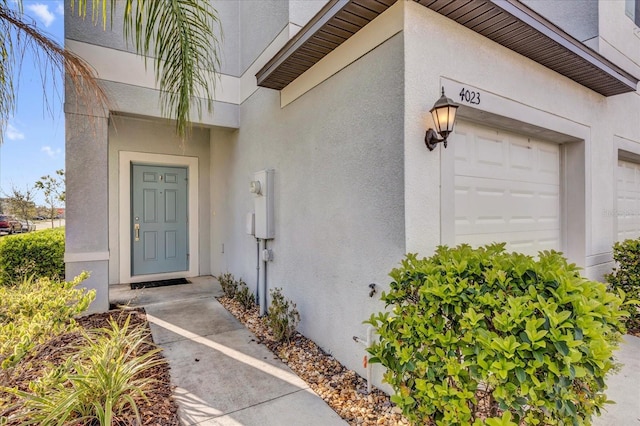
x=159, y=408
x=341, y=388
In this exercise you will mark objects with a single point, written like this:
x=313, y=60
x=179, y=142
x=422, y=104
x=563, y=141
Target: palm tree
x=179, y=37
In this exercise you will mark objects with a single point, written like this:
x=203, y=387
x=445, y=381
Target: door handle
x=136, y=228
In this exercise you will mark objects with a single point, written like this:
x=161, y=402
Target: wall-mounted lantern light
x=444, y=117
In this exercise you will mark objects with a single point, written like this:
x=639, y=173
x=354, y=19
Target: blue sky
x=34, y=141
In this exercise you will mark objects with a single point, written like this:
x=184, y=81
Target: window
x=632, y=9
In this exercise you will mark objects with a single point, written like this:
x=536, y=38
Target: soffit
x=516, y=27
x=333, y=25
x=507, y=22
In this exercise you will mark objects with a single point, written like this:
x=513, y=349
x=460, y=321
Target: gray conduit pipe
x=257, y=271
x=263, y=299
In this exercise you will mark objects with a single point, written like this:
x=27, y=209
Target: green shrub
x=36, y=310
x=229, y=285
x=282, y=316
x=38, y=254
x=244, y=296
x=482, y=336
x=99, y=383
x=626, y=276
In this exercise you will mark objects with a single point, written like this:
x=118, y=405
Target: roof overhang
x=517, y=27
x=336, y=22
x=507, y=22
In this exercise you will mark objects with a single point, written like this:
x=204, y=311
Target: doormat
x=159, y=283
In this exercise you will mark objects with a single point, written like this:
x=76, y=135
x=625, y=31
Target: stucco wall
x=619, y=38
x=579, y=18
x=260, y=22
x=111, y=36
x=522, y=90
x=339, y=222
x=87, y=220
x=145, y=135
x=301, y=11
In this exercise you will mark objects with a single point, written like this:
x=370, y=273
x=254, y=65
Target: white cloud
x=14, y=134
x=53, y=153
x=60, y=9
x=42, y=11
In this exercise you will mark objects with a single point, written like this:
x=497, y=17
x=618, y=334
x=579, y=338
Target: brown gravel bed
x=159, y=409
x=342, y=389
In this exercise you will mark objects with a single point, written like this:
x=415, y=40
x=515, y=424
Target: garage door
x=507, y=189
x=628, y=200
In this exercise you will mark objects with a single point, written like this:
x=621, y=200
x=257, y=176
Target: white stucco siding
x=301, y=11
x=521, y=94
x=618, y=36
x=339, y=223
x=87, y=219
x=158, y=137
x=579, y=18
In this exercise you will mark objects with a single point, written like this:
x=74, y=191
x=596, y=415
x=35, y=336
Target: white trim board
x=128, y=68
x=86, y=257
x=124, y=213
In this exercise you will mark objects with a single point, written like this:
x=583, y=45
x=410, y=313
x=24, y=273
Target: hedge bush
x=38, y=254
x=626, y=276
x=482, y=336
x=35, y=310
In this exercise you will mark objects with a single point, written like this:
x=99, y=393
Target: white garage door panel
x=505, y=156
x=506, y=189
x=530, y=242
x=505, y=206
x=628, y=200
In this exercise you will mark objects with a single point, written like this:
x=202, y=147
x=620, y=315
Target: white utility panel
x=250, y=227
x=262, y=189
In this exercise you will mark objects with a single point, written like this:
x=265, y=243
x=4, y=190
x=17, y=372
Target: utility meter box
x=250, y=224
x=262, y=189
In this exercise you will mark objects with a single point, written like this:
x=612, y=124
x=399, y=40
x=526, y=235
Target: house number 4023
x=470, y=96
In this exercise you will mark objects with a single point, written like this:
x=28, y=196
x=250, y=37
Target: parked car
x=9, y=224
x=27, y=227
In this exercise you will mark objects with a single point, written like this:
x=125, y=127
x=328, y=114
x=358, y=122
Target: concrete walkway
x=222, y=376
x=624, y=388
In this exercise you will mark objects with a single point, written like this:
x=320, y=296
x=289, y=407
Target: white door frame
x=124, y=216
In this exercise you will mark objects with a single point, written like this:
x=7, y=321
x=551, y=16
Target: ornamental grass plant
x=105, y=379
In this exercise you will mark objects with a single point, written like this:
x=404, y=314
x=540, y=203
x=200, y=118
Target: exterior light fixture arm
x=432, y=140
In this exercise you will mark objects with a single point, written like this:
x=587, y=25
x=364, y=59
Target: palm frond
x=180, y=36
x=19, y=34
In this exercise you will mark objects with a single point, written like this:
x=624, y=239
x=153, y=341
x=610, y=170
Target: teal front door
x=158, y=219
